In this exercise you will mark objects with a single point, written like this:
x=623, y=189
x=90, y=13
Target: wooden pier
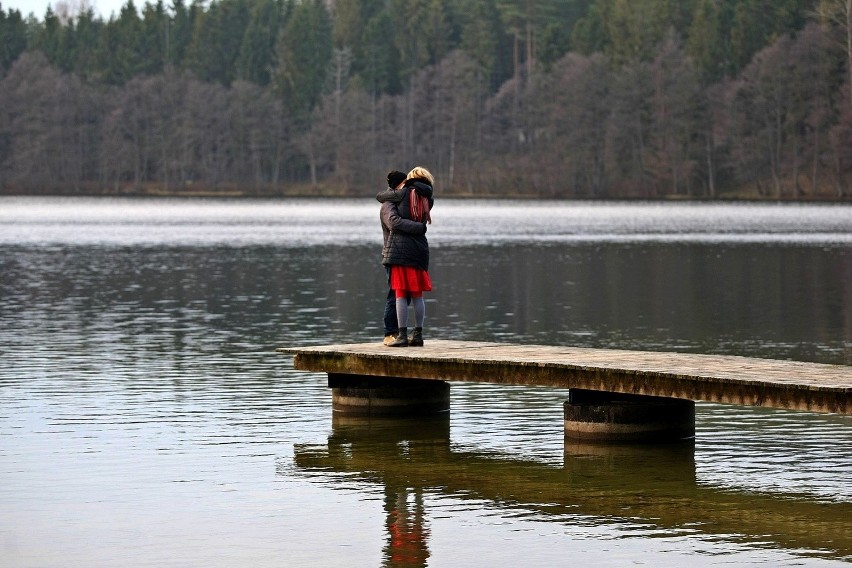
x=715, y=378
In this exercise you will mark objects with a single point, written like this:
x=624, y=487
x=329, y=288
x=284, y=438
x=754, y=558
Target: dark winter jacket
x=400, y=196
x=405, y=241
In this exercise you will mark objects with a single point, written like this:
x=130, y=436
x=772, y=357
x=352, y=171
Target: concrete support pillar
x=597, y=416
x=364, y=395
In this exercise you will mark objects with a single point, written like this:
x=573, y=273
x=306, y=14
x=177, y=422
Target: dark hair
x=395, y=178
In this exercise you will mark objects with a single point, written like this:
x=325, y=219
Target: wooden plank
x=717, y=378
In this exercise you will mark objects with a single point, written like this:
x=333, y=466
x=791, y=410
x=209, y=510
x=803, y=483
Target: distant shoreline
x=302, y=193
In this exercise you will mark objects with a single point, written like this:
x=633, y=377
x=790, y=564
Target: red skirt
x=410, y=279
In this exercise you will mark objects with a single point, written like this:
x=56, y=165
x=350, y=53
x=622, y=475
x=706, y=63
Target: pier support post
x=597, y=416
x=365, y=395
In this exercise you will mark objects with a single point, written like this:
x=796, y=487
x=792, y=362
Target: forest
x=646, y=99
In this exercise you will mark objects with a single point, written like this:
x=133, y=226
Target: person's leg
x=401, y=319
x=419, y=309
x=390, y=321
x=391, y=326
x=419, y=316
x=401, y=311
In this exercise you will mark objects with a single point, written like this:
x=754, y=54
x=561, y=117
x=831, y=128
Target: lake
x=146, y=419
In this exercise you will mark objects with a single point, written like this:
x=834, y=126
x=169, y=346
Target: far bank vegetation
x=693, y=99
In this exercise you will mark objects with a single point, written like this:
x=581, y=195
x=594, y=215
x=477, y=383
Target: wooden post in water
x=365, y=395
x=598, y=416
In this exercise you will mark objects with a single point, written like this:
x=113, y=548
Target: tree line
x=557, y=98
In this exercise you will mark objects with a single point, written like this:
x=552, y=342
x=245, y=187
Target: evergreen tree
x=304, y=55
x=708, y=40
x=484, y=39
x=216, y=40
x=588, y=35
x=423, y=33
x=257, y=53
x=13, y=37
x=88, y=31
x=837, y=16
x=537, y=27
x=378, y=65
x=348, y=23
x=153, y=39
x=67, y=49
x=120, y=46
x=638, y=27
x=179, y=35
x=758, y=23
x=48, y=37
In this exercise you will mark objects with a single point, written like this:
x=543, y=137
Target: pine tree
x=216, y=40
x=119, y=49
x=48, y=37
x=257, y=52
x=378, y=65
x=153, y=37
x=88, y=31
x=304, y=56
x=484, y=39
x=13, y=37
x=180, y=32
x=709, y=40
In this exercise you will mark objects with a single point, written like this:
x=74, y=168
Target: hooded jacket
x=405, y=241
x=400, y=196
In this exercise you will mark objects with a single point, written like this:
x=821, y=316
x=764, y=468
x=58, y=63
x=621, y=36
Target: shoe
x=390, y=338
x=401, y=340
x=417, y=338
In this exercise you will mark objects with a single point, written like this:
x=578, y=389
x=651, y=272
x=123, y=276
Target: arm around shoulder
x=393, y=221
x=389, y=196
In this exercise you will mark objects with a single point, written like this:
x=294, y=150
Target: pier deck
x=715, y=378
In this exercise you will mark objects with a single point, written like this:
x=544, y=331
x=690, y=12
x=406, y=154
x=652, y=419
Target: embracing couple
x=405, y=211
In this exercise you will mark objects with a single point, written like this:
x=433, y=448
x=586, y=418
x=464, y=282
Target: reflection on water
x=647, y=489
x=397, y=441
x=145, y=419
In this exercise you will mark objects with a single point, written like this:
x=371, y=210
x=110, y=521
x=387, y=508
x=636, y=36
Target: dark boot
x=416, y=339
x=401, y=338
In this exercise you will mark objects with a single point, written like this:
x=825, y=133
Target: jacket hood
x=421, y=186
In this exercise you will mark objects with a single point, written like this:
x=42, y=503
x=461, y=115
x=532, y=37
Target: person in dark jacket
x=407, y=253
x=396, y=180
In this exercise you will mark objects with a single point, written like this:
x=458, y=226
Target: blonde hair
x=421, y=172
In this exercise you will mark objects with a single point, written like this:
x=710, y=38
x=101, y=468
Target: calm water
x=145, y=419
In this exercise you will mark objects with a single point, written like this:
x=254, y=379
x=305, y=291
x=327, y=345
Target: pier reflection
x=358, y=440
x=652, y=489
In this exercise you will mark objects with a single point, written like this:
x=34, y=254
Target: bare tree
x=629, y=130
x=677, y=115
x=579, y=114
x=447, y=125
x=48, y=123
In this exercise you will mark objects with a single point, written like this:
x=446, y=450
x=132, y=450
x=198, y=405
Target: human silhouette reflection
x=386, y=441
x=408, y=531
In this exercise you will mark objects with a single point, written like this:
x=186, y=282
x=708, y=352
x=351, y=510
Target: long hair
x=418, y=204
x=419, y=207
